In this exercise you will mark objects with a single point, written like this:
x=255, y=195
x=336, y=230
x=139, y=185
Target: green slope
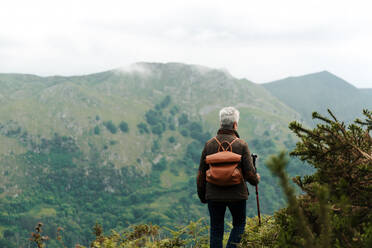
x=65, y=161
x=318, y=92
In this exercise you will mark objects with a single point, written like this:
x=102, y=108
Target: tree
x=174, y=110
x=166, y=101
x=142, y=127
x=197, y=127
x=110, y=126
x=8, y=234
x=172, y=126
x=184, y=132
x=171, y=123
x=183, y=119
x=124, y=127
x=335, y=210
x=153, y=117
x=155, y=146
x=193, y=151
x=6, y=244
x=158, y=129
x=97, y=130
x=161, y=165
x=171, y=139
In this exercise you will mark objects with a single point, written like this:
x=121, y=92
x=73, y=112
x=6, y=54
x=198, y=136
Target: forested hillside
x=121, y=147
x=333, y=211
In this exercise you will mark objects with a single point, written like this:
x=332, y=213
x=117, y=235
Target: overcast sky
x=258, y=40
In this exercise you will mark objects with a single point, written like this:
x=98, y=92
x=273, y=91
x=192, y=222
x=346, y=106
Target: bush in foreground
x=336, y=209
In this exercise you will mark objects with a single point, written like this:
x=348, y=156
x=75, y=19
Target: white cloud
x=137, y=68
x=259, y=40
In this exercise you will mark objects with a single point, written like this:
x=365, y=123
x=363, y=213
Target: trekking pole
x=254, y=157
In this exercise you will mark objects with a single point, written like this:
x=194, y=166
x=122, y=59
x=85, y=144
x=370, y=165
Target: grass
x=41, y=211
x=10, y=145
x=169, y=180
x=2, y=229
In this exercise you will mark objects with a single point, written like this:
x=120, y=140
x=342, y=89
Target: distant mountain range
x=122, y=146
x=367, y=92
x=319, y=92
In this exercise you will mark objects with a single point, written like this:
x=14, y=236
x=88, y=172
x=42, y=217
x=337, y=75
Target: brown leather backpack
x=223, y=166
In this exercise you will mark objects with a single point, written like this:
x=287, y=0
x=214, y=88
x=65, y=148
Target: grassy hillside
x=333, y=210
x=318, y=92
x=122, y=146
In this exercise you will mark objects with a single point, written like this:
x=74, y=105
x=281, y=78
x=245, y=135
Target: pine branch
x=333, y=116
x=323, y=196
x=343, y=159
x=316, y=115
x=277, y=166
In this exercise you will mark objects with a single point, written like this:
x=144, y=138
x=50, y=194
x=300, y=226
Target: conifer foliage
x=335, y=210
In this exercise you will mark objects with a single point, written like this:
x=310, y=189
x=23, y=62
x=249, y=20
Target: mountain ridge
x=206, y=68
x=319, y=92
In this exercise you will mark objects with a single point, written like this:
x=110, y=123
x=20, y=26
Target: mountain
x=319, y=92
x=123, y=146
x=367, y=92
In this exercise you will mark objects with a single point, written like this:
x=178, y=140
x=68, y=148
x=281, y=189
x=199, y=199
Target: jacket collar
x=228, y=131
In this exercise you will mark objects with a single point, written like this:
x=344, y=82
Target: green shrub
x=172, y=126
x=171, y=139
x=155, y=146
x=174, y=110
x=166, y=101
x=142, y=127
x=110, y=126
x=183, y=119
x=97, y=130
x=153, y=117
x=196, y=127
x=184, y=132
x=334, y=210
x=161, y=165
x=193, y=151
x=260, y=236
x=158, y=129
x=174, y=170
x=124, y=127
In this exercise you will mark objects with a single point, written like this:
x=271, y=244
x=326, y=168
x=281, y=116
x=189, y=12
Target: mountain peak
x=325, y=72
x=318, y=92
x=323, y=79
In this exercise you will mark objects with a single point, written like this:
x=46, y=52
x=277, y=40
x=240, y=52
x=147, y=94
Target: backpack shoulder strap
x=229, y=144
x=219, y=144
x=236, y=138
x=232, y=142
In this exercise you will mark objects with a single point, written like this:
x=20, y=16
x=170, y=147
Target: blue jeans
x=217, y=215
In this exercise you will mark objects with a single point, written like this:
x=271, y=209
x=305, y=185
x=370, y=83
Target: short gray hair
x=228, y=116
